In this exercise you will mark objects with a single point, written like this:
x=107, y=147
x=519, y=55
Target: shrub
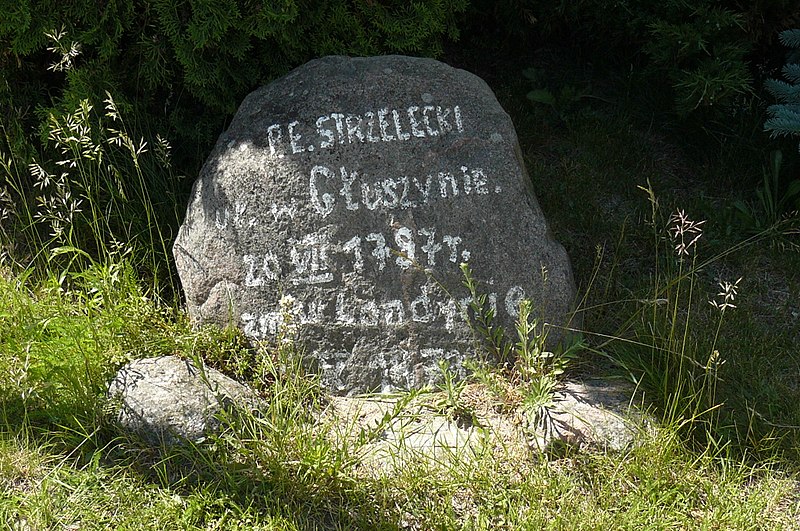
x=694, y=57
x=784, y=116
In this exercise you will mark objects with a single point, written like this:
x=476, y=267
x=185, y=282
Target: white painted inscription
x=353, y=190
x=345, y=188
x=381, y=125
x=261, y=270
x=428, y=306
x=309, y=258
x=323, y=274
x=399, y=368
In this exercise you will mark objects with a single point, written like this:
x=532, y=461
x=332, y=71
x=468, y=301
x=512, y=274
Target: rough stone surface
x=594, y=413
x=388, y=433
x=393, y=432
x=354, y=188
x=168, y=400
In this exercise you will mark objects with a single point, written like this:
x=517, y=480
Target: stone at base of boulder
x=592, y=414
x=391, y=431
x=169, y=400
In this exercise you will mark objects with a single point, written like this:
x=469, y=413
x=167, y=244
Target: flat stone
x=352, y=189
x=168, y=400
x=598, y=414
x=388, y=433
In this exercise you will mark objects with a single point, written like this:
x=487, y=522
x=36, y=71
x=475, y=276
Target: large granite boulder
x=352, y=188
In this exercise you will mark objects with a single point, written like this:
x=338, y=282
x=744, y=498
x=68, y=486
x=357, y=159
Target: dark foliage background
x=178, y=68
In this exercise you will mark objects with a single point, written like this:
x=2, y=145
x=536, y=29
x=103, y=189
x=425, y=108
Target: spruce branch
x=790, y=38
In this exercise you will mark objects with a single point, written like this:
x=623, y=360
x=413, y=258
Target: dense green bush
x=702, y=55
x=190, y=62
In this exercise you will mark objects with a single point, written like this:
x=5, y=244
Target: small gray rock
x=353, y=188
x=169, y=400
x=593, y=414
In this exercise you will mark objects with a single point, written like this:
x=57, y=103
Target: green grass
x=639, y=313
x=63, y=465
x=278, y=472
x=724, y=455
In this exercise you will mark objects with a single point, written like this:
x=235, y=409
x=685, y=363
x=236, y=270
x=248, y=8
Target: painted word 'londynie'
x=385, y=125
x=350, y=310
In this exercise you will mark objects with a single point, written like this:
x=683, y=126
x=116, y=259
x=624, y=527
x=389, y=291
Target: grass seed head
x=727, y=295
x=684, y=232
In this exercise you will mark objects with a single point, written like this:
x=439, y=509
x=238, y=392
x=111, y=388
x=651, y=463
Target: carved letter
x=452, y=242
x=385, y=136
x=467, y=180
x=373, y=191
x=249, y=321
x=424, y=191
x=337, y=117
x=426, y=119
x=479, y=180
x=381, y=252
x=404, y=201
x=344, y=314
x=441, y=117
x=423, y=315
x=450, y=311
x=270, y=269
x=293, y=138
x=459, y=125
x=354, y=128
x=310, y=259
x=274, y=137
x=400, y=134
x=443, y=178
x=369, y=313
x=346, y=191
x=415, y=130
x=514, y=296
x=354, y=245
x=371, y=126
x=393, y=312
x=430, y=247
x=390, y=200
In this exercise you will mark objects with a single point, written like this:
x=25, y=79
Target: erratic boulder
x=352, y=188
x=168, y=399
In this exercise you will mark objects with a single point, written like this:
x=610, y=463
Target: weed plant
x=523, y=371
x=773, y=210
